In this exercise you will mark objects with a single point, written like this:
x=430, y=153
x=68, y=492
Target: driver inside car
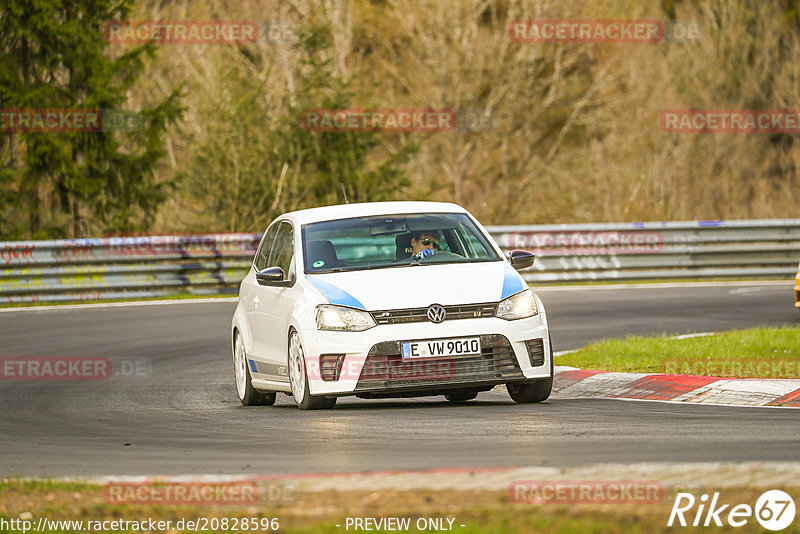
x=424, y=244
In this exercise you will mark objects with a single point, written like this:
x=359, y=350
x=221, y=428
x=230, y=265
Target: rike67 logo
x=774, y=510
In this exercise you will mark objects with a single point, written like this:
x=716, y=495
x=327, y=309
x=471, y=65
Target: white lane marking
x=563, y=352
x=741, y=392
x=661, y=285
x=684, y=403
x=90, y=306
x=744, y=290
x=601, y=385
x=697, y=334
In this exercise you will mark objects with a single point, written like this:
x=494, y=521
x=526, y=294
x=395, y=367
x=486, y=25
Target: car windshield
x=362, y=243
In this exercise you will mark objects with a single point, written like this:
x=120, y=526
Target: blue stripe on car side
x=512, y=282
x=253, y=367
x=334, y=294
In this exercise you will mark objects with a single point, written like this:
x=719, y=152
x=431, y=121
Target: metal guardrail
x=148, y=266
x=124, y=267
x=663, y=250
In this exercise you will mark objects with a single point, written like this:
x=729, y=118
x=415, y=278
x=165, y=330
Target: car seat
x=404, y=250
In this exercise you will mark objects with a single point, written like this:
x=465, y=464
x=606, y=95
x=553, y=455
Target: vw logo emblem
x=436, y=313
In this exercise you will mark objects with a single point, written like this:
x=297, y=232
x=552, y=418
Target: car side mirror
x=521, y=259
x=271, y=276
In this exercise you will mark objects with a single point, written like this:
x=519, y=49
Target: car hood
x=419, y=286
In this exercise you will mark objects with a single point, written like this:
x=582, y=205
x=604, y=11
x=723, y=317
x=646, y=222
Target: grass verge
x=312, y=512
x=751, y=353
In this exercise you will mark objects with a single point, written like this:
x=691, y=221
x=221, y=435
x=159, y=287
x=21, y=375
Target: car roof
x=365, y=209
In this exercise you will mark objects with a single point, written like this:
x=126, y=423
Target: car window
x=474, y=245
x=283, y=249
x=262, y=255
x=385, y=241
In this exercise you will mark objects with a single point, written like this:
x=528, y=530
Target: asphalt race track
x=182, y=416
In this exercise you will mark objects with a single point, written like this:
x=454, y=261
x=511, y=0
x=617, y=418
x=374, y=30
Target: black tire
x=316, y=402
x=463, y=396
x=320, y=403
x=534, y=391
x=529, y=392
x=252, y=397
x=310, y=402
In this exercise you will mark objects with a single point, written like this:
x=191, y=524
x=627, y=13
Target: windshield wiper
x=419, y=263
x=386, y=266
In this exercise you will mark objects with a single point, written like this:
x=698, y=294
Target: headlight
x=343, y=319
x=518, y=306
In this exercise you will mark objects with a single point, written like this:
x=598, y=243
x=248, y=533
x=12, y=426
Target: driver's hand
x=424, y=253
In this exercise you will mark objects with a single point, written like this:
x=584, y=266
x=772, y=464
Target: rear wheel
x=462, y=396
x=534, y=391
x=244, y=388
x=298, y=379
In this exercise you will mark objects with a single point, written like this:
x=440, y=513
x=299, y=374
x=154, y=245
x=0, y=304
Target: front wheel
x=536, y=390
x=248, y=395
x=298, y=379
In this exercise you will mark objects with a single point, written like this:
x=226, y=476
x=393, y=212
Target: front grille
x=535, y=352
x=385, y=366
x=419, y=315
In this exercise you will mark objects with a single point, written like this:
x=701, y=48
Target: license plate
x=434, y=348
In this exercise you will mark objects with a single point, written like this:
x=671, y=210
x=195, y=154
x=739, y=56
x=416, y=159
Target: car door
x=250, y=293
x=270, y=332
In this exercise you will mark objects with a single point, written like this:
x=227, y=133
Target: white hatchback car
x=387, y=299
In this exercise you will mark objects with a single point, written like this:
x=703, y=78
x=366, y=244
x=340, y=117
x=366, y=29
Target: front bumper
x=371, y=362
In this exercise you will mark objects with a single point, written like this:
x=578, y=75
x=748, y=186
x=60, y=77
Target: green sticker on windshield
x=318, y=263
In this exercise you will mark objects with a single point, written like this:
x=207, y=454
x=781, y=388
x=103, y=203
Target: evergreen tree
x=335, y=158
x=251, y=164
x=72, y=183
